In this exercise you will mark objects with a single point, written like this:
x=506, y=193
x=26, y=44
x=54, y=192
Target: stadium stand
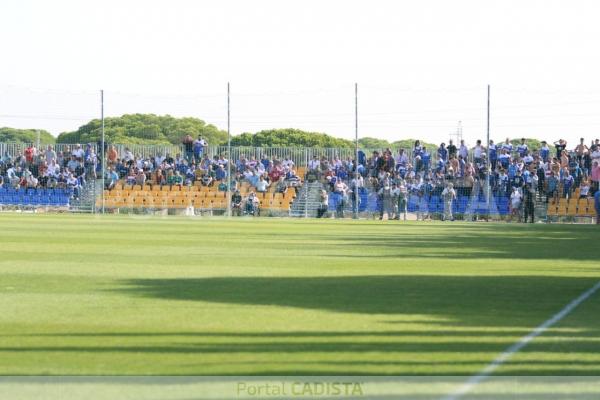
x=558, y=182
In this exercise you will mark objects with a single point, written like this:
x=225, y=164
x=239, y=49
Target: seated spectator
x=252, y=204
x=584, y=189
x=32, y=181
x=73, y=183
x=131, y=177
x=292, y=178
x=221, y=173
x=207, y=179
x=175, y=179
x=111, y=178
x=281, y=186
x=262, y=185
x=140, y=178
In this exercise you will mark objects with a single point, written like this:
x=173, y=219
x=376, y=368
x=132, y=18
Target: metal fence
x=299, y=155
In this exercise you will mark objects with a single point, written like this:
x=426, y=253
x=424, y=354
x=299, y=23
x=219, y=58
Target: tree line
x=165, y=129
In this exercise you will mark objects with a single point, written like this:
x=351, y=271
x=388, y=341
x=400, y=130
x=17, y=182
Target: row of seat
x=34, y=200
x=32, y=197
x=182, y=202
x=572, y=208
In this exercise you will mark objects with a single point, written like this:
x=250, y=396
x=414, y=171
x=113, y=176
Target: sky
x=421, y=66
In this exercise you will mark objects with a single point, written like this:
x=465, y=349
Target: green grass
x=126, y=295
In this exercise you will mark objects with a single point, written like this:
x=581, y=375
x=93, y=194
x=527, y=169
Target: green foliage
x=8, y=135
x=289, y=138
x=532, y=144
x=373, y=143
x=410, y=143
x=144, y=129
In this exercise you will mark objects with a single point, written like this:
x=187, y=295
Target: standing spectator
x=560, y=146
x=529, y=194
x=552, y=187
x=545, y=151
x=522, y=148
x=595, y=176
x=402, y=199
x=112, y=155
x=493, y=154
x=448, y=195
x=463, y=150
x=51, y=155
x=451, y=149
x=188, y=147
x=387, y=205
x=581, y=150
x=342, y=189
x=443, y=152
x=597, y=205
x=567, y=182
x=478, y=152
x=198, y=148
x=515, y=204
x=323, y=204
x=507, y=146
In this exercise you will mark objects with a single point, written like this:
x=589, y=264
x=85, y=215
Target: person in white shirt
x=50, y=154
x=128, y=155
x=314, y=164
x=53, y=170
x=262, y=185
x=342, y=189
x=595, y=155
x=463, y=150
x=478, y=152
x=77, y=152
x=288, y=163
x=448, y=195
x=515, y=204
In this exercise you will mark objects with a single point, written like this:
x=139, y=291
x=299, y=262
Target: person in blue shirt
x=507, y=146
x=504, y=159
x=597, y=205
x=492, y=149
x=522, y=149
x=440, y=165
x=425, y=159
x=443, y=152
x=567, y=181
x=545, y=151
x=552, y=187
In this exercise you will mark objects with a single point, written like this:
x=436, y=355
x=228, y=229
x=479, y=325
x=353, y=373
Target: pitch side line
x=487, y=371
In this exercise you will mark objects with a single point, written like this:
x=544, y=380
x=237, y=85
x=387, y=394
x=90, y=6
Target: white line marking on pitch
x=487, y=371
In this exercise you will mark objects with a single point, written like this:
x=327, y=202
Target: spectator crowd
x=518, y=173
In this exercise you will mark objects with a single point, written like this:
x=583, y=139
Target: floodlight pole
x=487, y=162
x=228, y=155
x=102, y=152
x=355, y=208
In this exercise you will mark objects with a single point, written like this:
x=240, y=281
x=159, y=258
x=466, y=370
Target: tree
x=289, y=138
x=144, y=129
x=373, y=143
x=8, y=135
x=410, y=143
x=532, y=144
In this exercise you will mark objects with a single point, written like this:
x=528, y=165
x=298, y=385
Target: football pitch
x=124, y=295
